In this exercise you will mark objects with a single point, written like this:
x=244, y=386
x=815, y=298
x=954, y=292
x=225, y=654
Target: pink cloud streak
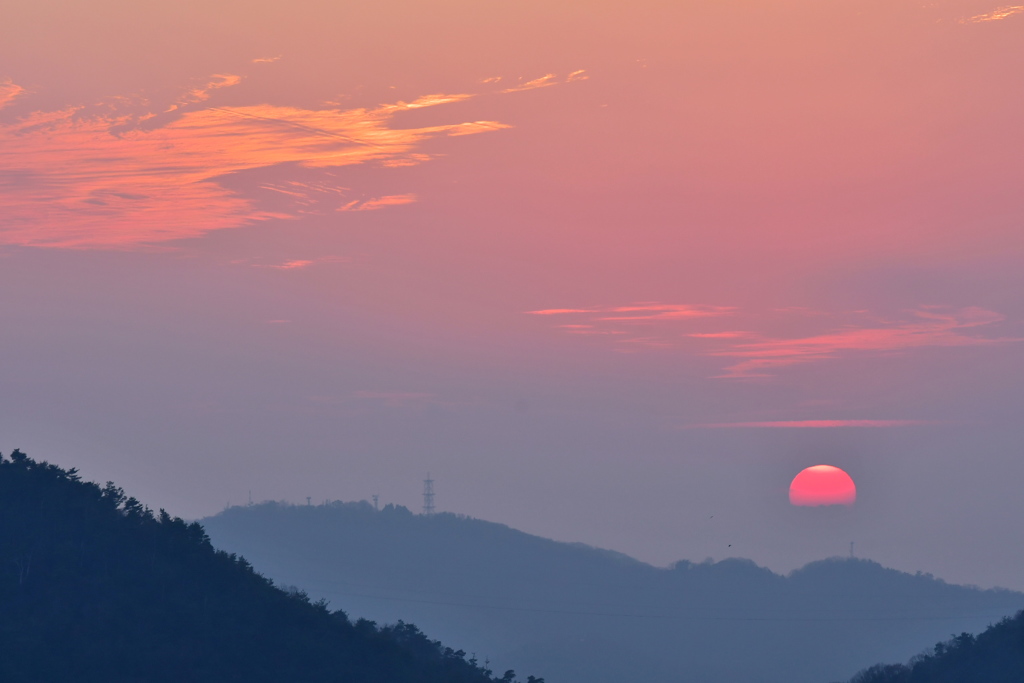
x=559, y=311
x=931, y=329
x=646, y=311
x=758, y=356
x=379, y=202
x=719, y=335
x=813, y=424
x=292, y=265
x=654, y=312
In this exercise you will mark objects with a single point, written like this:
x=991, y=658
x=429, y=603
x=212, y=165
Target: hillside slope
x=583, y=615
x=994, y=656
x=94, y=587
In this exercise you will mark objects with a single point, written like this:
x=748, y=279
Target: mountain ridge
x=581, y=613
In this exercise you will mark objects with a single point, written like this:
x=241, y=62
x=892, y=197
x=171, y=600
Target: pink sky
x=527, y=246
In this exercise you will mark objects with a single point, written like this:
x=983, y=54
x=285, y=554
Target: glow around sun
x=822, y=485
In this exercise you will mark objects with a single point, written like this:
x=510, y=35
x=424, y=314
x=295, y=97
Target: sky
x=610, y=272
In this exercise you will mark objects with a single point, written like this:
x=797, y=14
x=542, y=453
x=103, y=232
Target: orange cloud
x=929, y=329
x=202, y=94
x=995, y=15
x=474, y=127
x=292, y=265
x=544, y=81
x=379, y=202
x=97, y=182
x=8, y=92
x=426, y=101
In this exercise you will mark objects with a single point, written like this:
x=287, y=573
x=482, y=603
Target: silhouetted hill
x=994, y=656
x=584, y=615
x=95, y=587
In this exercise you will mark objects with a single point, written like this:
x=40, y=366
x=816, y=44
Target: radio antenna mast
x=428, y=495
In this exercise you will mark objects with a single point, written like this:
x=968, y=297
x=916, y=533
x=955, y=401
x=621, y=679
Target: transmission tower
x=428, y=495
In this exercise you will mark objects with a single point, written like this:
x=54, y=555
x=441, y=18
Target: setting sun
x=822, y=485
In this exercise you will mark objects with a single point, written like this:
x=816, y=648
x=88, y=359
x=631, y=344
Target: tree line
x=95, y=586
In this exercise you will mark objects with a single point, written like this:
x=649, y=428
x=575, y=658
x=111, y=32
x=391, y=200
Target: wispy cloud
x=560, y=311
x=378, y=202
x=659, y=312
x=752, y=354
x=995, y=15
x=8, y=92
x=203, y=93
x=474, y=127
x=544, y=81
x=812, y=424
x=98, y=182
x=266, y=60
x=720, y=335
x=293, y=265
x=427, y=101
x=621, y=324
x=927, y=328
x=641, y=311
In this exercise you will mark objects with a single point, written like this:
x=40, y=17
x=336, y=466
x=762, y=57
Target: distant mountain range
x=96, y=588
x=584, y=615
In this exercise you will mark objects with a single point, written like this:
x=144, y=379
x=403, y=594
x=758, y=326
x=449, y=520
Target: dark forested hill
x=583, y=615
x=94, y=587
x=994, y=656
